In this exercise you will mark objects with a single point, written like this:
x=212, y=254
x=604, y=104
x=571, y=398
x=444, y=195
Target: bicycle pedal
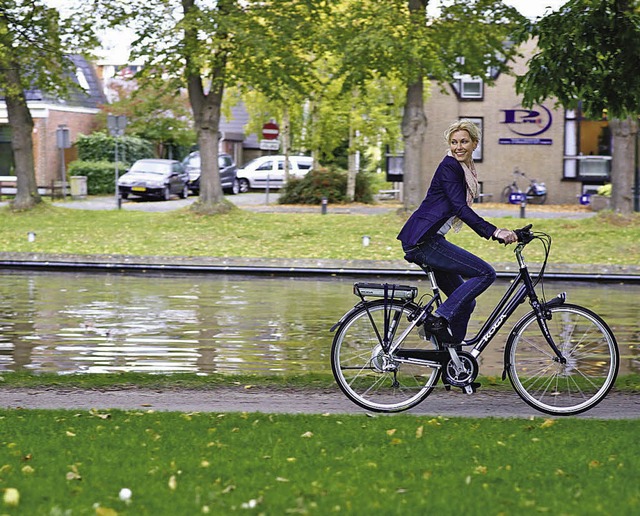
x=471, y=388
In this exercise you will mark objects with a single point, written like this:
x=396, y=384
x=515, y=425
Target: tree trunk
x=622, y=164
x=414, y=126
x=21, y=124
x=206, y=108
x=285, y=135
x=352, y=162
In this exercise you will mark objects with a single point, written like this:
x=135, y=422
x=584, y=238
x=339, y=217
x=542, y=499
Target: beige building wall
x=542, y=162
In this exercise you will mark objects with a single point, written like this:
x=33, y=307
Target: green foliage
x=100, y=175
x=77, y=462
x=605, y=190
x=330, y=184
x=158, y=114
x=101, y=147
x=588, y=55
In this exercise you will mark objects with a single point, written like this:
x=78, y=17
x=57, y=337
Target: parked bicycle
x=536, y=192
x=561, y=358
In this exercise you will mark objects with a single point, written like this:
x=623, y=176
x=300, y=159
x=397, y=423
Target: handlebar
x=524, y=235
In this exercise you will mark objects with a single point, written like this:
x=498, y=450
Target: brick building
x=77, y=114
x=569, y=154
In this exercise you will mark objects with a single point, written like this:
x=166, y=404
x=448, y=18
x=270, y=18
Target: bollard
x=523, y=204
x=31, y=236
x=366, y=240
x=324, y=205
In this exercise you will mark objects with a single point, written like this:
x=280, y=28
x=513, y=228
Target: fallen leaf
x=419, y=432
x=173, y=483
x=11, y=497
x=106, y=511
x=547, y=423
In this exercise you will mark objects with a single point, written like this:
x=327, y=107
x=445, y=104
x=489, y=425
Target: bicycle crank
x=461, y=370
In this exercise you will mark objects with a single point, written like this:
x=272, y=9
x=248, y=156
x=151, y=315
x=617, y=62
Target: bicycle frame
x=521, y=288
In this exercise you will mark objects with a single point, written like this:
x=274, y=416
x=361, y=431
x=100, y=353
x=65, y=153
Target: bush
x=101, y=175
x=101, y=147
x=325, y=183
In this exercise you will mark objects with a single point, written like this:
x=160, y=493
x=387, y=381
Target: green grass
x=604, y=240
x=27, y=379
x=76, y=462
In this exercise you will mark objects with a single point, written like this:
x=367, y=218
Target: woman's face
x=462, y=146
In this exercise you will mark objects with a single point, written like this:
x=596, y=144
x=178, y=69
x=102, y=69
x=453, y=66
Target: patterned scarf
x=471, y=178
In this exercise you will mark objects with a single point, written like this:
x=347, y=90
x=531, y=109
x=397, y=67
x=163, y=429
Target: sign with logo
x=527, y=124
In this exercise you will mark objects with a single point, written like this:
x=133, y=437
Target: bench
x=483, y=196
x=8, y=186
x=388, y=194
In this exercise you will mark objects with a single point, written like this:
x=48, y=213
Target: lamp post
x=64, y=142
x=116, y=125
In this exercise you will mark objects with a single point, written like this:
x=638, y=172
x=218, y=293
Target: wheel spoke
x=370, y=377
x=579, y=382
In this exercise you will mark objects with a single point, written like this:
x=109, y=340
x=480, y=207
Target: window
x=470, y=87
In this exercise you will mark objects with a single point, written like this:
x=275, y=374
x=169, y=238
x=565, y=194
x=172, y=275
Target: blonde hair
x=463, y=125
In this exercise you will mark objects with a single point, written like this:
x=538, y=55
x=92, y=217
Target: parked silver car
x=160, y=178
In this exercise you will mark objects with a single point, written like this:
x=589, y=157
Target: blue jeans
x=450, y=265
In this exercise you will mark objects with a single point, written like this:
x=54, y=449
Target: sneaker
x=439, y=328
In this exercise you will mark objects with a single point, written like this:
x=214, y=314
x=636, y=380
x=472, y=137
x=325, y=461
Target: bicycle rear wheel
x=368, y=376
x=591, y=368
x=506, y=194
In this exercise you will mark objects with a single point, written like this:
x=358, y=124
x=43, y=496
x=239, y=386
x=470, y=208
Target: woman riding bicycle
x=446, y=206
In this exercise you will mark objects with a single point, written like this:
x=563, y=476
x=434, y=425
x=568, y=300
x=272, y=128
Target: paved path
x=260, y=202
x=484, y=403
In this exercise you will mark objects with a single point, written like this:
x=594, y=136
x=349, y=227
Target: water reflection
x=83, y=322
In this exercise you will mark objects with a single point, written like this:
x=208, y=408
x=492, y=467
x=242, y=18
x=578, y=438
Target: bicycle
x=536, y=192
x=561, y=358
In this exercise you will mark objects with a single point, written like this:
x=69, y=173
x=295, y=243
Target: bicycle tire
x=506, y=194
x=357, y=360
x=583, y=381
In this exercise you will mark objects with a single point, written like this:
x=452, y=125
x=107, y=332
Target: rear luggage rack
x=385, y=290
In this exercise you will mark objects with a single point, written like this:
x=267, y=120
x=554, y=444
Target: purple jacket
x=447, y=196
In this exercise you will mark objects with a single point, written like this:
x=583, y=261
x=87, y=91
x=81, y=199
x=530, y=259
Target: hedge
x=325, y=183
x=101, y=175
x=101, y=147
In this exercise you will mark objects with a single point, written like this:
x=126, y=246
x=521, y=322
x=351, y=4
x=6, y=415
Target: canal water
x=69, y=322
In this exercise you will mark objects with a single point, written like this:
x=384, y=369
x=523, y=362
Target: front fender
x=559, y=300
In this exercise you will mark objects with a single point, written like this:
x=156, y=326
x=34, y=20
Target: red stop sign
x=270, y=131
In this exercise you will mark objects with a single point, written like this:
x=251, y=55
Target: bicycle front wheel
x=591, y=368
x=371, y=378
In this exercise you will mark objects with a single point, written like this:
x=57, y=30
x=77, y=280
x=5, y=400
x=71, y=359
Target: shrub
x=325, y=183
x=101, y=147
x=101, y=175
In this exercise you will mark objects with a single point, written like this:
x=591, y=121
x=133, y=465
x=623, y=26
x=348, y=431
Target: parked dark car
x=228, y=173
x=160, y=178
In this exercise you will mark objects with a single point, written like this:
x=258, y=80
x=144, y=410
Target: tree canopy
x=588, y=60
x=588, y=55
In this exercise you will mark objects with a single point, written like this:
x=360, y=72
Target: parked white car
x=269, y=170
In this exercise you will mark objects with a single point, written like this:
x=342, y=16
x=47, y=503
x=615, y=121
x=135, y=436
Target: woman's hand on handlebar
x=505, y=236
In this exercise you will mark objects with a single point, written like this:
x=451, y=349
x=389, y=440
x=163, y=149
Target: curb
x=296, y=267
